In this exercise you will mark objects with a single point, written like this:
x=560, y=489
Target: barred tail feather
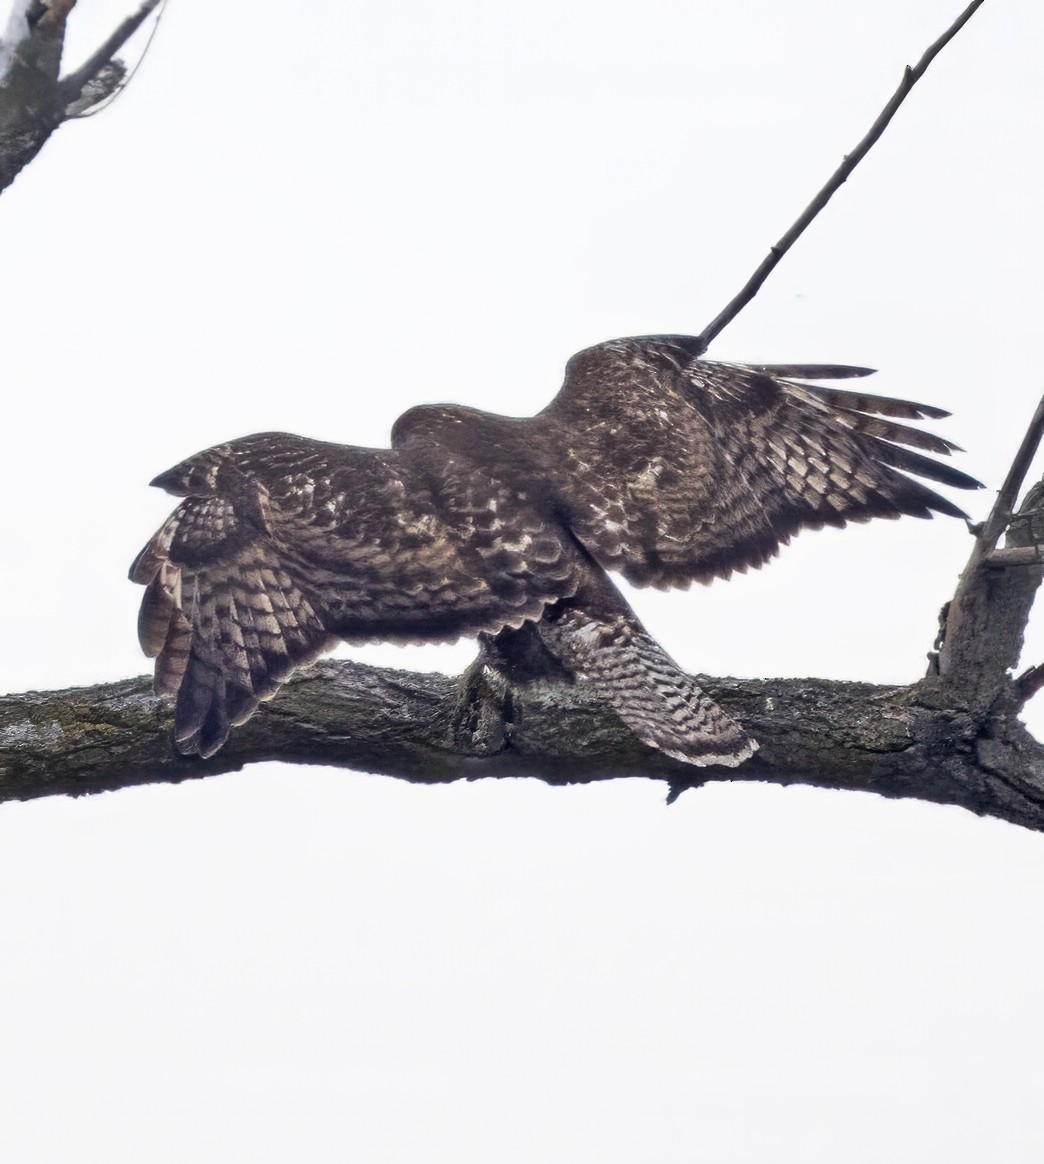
x=658, y=701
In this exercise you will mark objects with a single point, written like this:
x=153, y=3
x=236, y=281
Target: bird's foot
x=480, y=714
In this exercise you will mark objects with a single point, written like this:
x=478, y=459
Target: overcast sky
x=312, y=217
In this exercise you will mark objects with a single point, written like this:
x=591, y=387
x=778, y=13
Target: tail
x=653, y=696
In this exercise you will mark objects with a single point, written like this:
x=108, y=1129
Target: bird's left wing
x=670, y=468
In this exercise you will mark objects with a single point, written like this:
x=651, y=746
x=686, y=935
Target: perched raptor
x=650, y=461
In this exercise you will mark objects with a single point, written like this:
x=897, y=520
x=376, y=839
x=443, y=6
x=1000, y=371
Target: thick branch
x=908, y=742
x=30, y=109
x=984, y=622
x=834, y=183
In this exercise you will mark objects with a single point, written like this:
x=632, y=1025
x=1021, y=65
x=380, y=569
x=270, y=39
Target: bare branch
x=895, y=741
x=33, y=100
x=1004, y=506
x=29, y=107
x=837, y=179
x=72, y=86
x=1028, y=684
x=984, y=622
x=33, y=38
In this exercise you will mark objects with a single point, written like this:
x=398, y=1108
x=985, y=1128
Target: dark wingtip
x=944, y=506
x=932, y=470
x=814, y=371
x=930, y=412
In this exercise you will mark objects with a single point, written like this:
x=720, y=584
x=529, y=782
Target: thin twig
x=1004, y=506
x=910, y=78
x=1028, y=684
x=72, y=86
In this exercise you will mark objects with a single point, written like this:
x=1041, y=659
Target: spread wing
x=672, y=469
x=283, y=545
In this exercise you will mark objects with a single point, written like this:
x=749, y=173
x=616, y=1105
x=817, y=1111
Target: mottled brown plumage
x=650, y=461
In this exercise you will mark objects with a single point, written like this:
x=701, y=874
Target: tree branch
x=896, y=741
x=1007, y=496
x=72, y=87
x=33, y=100
x=910, y=78
x=982, y=626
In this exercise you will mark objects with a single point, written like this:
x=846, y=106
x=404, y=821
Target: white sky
x=310, y=219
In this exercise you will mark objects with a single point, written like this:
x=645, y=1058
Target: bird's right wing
x=224, y=617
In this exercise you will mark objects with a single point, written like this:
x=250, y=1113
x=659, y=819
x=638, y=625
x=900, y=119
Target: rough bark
x=981, y=629
x=918, y=741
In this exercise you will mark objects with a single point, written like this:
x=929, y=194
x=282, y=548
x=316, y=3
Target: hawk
x=650, y=461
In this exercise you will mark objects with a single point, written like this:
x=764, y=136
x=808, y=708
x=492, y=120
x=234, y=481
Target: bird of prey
x=650, y=461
